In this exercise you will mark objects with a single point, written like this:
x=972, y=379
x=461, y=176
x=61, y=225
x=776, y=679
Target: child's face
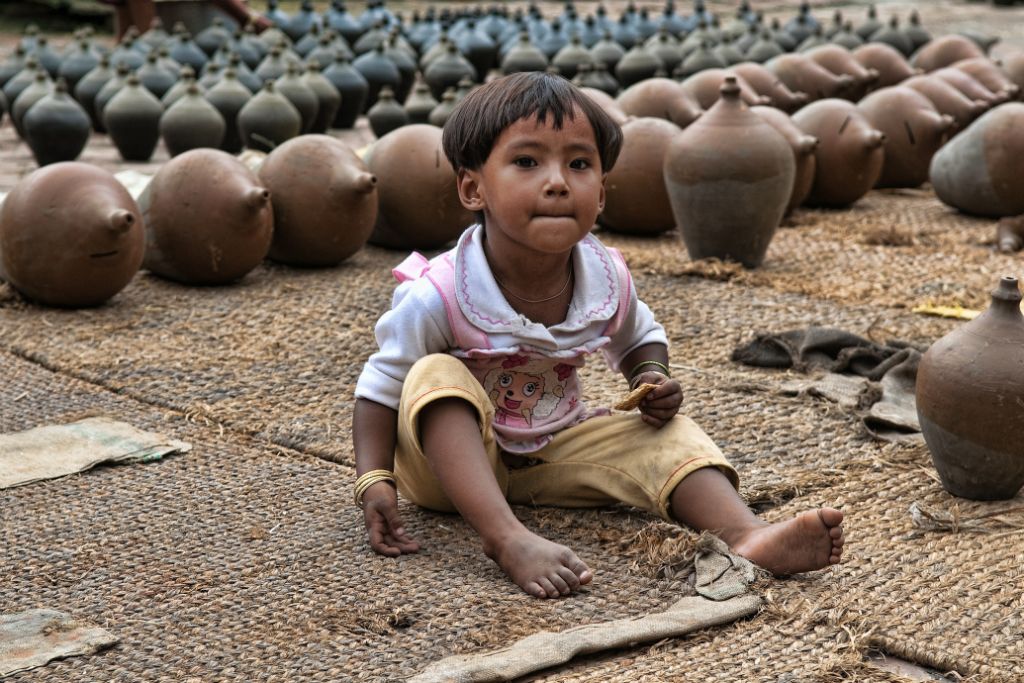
x=540, y=188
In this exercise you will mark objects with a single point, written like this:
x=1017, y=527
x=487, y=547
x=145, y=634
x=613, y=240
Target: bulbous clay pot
x=763, y=49
x=597, y=78
x=378, y=71
x=914, y=130
x=803, y=147
x=446, y=71
x=354, y=90
x=132, y=117
x=39, y=89
x=636, y=65
x=70, y=235
x=802, y=74
x=229, y=97
x=327, y=96
x=570, y=57
x=607, y=103
x=990, y=75
x=1013, y=67
x=636, y=201
x=439, y=114
x=191, y=123
x=767, y=84
x=419, y=202
x=155, y=78
x=698, y=60
x=978, y=171
x=891, y=66
x=324, y=222
x=56, y=127
x=971, y=87
x=840, y=61
x=420, y=103
x=729, y=177
x=89, y=86
x=208, y=220
x=524, y=56
x=947, y=99
x=706, y=87
x=970, y=387
x=299, y=94
x=608, y=52
x=178, y=90
x=76, y=64
x=387, y=114
x=268, y=119
x=944, y=51
x=662, y=98
x=894, y=36
x=850, y=152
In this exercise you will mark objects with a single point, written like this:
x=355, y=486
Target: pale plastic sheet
x=32, y=638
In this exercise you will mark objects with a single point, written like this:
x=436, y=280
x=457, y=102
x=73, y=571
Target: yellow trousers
x=601, y=461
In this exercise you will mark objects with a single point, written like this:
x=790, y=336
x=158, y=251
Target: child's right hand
x=384, y=526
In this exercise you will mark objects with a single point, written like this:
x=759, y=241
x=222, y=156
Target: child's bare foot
x=541, y=568
x=811, y=540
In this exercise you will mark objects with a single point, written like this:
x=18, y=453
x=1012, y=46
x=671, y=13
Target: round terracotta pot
x=325, y=201
x=419, y=202
x=70, y=235
x=729, y=177
x=607, y=103
x=947, y=99
x=802, y=74
x=970, y=389
x=661, y=98
x=636, y=201
x=989, y=74
x=767, y=84
x=944, y=51
x=970, y=86
x=706, y=87
x=841, y=61
x=636, y=65
x=803, y=147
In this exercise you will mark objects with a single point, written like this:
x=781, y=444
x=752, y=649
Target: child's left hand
x=662, y=404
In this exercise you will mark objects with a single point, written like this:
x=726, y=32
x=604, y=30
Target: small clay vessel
x=662, y=98
x=636, y=201
x=327, y=96
x=191, y=123
x=447, y=70
x=353, y=89
x=70, y=235
x=184, y=51
x=319, y=223
x=729, y=177
x=667, y=50
x=870, y=25
x=273, y=66
x=914, y=130
x=917, y=34
x=419, y=202
x=597, y=78
x=802, y=74
x=211, y=76
x=947, y=99
x=607, y=103
x=944, y=51
x=109, y=89
x=56, y=127
x=978, y=171
x=636, y=65
x=12, y=65
x=767, y=84
x=23, y=79
x=524, y=56
x=1013, y=67
x=894, y=36
x=969, y=390
x=77, y=63
x=763, y=49
x=292, y=87
x=378, y=71
x=420, y=103
x=849, y=155
x=132, y=118
x=891, y=66
x=155, y=78
x=608, y=52
x=439, y=114
x=228, y=97
x=705, y=87
x=268, y=120
x=840, y=61
x=803, y=147
x=127, y=54
x=208, y=220
x=387, y=114
x=478, y=48
x=39, y=89
x=990, y=75
x=847, y=37
x=178, y=90
x=570, y=57
x=213, y=37
x=89, y=86
x=406, y=65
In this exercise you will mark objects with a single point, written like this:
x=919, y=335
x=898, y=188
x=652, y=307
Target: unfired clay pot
x=970, y=86
x=706, y=87
x=662, y=98
x=914, y=130
x=978, y=171
x=850, y=152
x=767, y=84
x=840, y=61
x=990, y=75
x=419, y=202
x=607, y=103
x=802, y=74
x=803, y=147
x=944, y=51
x=70, y=235
x=729, y=177
x=323, y=222
x=891, y=66
x=970, y=389
x=947, y=99
x=636, y=201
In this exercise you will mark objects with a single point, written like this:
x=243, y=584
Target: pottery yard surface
x=245, y=559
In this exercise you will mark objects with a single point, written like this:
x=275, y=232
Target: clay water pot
x=327, y=96
x=803, y=147
x=320, y=223
x=127, y=54
x=178, y=90
x=191, y=123
x=56, y=127
x=970, y=388
x=728, y=54
x=893, y=36
x=133, y=120
x=208, y=220
x=211, y=76
x=870, y=25
x=478, y=48
x=446, y=71
x=419, y=202
x=802, y=74
x=109, y=89
x=268, y=120
x=184, y=51
x=228, y=97
x=914, y=130
x=12, y=65
x=273, y=66
x=89, y=86
x=607, y=103
x=892, y=68
x=211, y=38
x=420, y=103
x=155, y=78
x=597, y=78
x=23, y=79
x=570, y=57
x=666, y=50
x=700, y=59
x=70, y=235
x=387, y=114
x=990, y=75
x=978, y=171
x=662, y=98
x=947, y=99
x=767, y=84
x=353, y=89
x=636, y=65
x=840, y=61
x=524, y=56
x=849, y=155
x=608, y=52
x=295, y=90
x=406, y=66
x=80, y=61
x=39, y=89
x=378, y=71
x=944, y=51
x=705, y=87
x=763, y=49
x=729, y=177
x=439, y=114
x=847, y=38
x=636, y=201
x=971, y=87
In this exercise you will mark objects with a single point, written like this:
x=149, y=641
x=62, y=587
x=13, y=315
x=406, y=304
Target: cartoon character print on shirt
x=524, y=389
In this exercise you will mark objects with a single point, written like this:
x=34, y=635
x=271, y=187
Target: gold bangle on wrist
x=662, y=368
x=367, y=480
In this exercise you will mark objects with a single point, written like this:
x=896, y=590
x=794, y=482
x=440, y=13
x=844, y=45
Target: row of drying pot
x=207, y=218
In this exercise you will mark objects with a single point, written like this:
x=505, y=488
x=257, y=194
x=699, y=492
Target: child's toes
x=569, y=577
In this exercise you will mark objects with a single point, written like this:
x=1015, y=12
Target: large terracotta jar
x=970, y=389
x=944, y=51
x=662, y=98
x=607, y=103
x=978, y=171
x=989, y=74
x=767, y=84
x=729, y=177
x=840, y=61
x=803, y=146
x=914, y=130
x=208, y=220
x=802, y=74
x=636, y=201
x=891, y=66
x=850, y=152
x=419, y=201
x=970, y=86
x=947, y=98
x=325, y=201
x=706, y=87
x=70, y=235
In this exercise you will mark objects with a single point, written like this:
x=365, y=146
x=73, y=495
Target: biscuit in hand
x=633, y=399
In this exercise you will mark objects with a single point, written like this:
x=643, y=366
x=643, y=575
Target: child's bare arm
x=374, y=432
x=662, y=404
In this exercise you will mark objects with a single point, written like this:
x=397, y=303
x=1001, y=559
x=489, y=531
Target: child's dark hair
x=472, y=129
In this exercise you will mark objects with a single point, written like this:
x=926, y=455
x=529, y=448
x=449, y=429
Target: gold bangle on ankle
x=367, y=480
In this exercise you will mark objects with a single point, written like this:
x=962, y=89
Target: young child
x=472, y=402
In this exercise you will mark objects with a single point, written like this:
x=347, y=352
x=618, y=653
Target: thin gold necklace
x=536, y=301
